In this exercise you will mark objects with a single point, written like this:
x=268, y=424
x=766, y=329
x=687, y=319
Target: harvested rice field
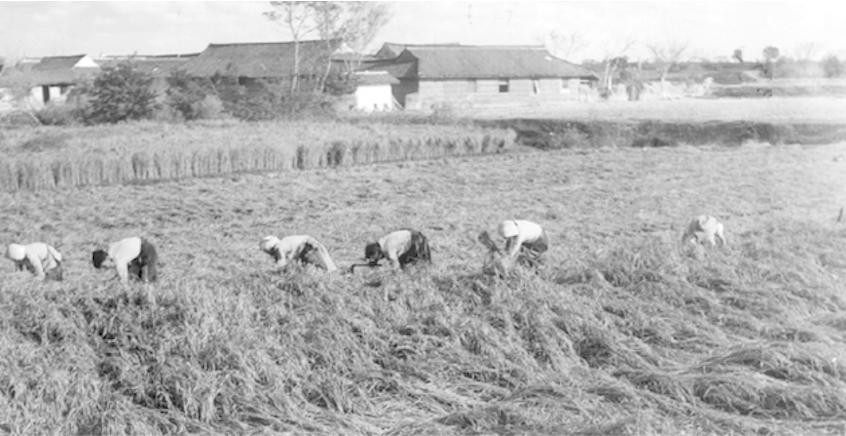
x=622, y=331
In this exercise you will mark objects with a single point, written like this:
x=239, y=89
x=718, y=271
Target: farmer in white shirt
x=302, y=249
x=704, y=229
x=131, y=256
x=401, y=248
x=38, y=258
x=524, y=240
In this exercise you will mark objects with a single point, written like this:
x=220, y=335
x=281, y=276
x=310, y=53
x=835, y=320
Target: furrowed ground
x=621, y=332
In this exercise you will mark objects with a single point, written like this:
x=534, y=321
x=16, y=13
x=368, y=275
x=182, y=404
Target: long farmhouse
x=478, y=75
x=48, y=79
x=262, y=60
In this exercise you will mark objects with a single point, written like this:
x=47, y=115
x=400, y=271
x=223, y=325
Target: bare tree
x=806, y=51
x=352, y=23
x=298, y=16
x=565, y=45
x=614, y=59
x=666, y=56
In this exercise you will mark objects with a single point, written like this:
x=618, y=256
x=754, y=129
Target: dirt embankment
x=554, y=134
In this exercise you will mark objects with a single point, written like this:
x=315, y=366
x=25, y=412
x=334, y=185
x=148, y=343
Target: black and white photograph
x=423, y=218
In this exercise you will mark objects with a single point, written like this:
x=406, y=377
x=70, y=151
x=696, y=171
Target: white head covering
x=16, y=252
x=268, y=242
x=508, y=229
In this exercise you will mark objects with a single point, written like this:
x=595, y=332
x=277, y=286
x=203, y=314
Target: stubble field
x=621, y=332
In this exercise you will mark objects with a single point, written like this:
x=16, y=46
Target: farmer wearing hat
x=401, y=248
x=525, y=240
x=302, y=249
x=132, y=256
x=38, y=258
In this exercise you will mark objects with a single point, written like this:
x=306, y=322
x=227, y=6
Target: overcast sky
x=711, y=28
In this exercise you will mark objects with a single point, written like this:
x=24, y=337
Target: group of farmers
x=525, y=243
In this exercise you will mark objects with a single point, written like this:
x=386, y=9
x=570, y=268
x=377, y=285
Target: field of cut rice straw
x=47, y=158
x=621, y=332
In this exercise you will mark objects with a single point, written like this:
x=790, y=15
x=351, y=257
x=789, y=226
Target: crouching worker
x=132, y=257
x=401, y=248
x=302, y=249
x=42, y=260
x=704, y=229
x=524, y=240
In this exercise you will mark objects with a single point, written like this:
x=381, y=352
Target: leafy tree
x=340, y=84
x=666, y=56
x=121, y=93
x=770, y=55
x=738, y=54
x=832, y=66
x=19, y=86
x=565, y=45
x=614, y=60
x=185, y=94
x=806, y=51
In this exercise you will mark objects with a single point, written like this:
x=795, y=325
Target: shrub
x=210, y=107
x=259, y=100
x=59, y=115
x=569, y=138
x=251, y=102
x=18, y=119
x=832, y=66
x=339, y=84
x=185, y=94
x=121, y=93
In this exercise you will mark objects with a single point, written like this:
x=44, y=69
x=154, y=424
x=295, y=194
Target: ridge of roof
x=234, y=44
x=148, y=57
x=61, y=57
x=481, y=47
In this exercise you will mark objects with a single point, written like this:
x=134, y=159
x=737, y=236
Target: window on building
x=503, y=85
x=45, y=93
x=242, y=80
x=535, y=86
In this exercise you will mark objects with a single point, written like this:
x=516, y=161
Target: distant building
x=248, y=62
x=478, y=75
x=159, y=67
x=373, y=91
x=390, y=50
x=154, y=65
x=49, y=78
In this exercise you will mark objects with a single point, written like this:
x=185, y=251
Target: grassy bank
x=621, y=332
x=47, y=158
x=787, y=88
x=791, y=110
x=552, y=134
